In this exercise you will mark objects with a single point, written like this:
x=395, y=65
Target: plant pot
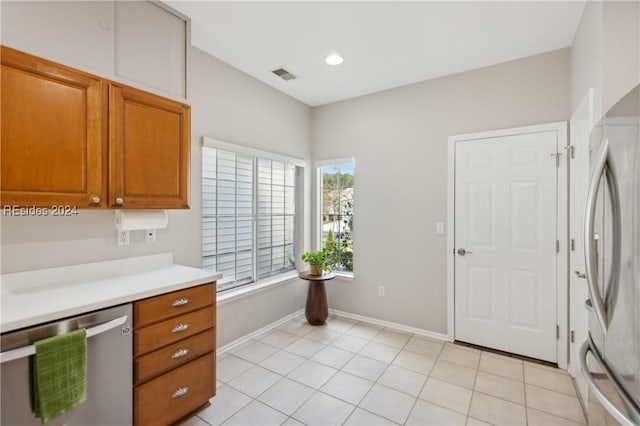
x=315, y=270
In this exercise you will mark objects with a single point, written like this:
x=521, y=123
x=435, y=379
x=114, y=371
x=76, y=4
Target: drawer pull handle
x=180, y=392
x=180, y=328
x=180, y=302
x=180, y=353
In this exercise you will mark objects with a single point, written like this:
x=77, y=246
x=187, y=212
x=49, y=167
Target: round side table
x=317, y=309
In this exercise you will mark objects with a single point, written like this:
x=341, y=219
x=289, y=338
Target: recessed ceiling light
x=334, y=59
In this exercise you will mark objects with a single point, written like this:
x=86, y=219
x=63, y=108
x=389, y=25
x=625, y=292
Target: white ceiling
x=385, y=44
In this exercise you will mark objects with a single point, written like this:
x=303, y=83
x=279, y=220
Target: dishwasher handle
x=31, y=349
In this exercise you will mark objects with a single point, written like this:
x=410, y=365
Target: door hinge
x=557, y=246
x=573, y=245
x=557, y=332
x=573, y=336
x=571, y=149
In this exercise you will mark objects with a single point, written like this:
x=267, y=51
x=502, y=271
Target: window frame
x=319, y=164
x=259, y=284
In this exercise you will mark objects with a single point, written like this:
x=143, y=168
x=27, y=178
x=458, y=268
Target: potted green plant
x=317, y=261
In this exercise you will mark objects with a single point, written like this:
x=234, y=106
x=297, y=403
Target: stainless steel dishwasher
x=109, y=370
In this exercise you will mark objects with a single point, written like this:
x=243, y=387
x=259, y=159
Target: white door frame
x=562, y=273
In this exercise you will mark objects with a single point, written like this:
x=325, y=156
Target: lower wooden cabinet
x=174, y=355
x=174, y=395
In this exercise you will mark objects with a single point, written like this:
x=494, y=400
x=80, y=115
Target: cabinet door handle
x=180, y=392
x=95, y=199
x=180, y=328
x=180, y=302
x=119, y=201
x=180, y=353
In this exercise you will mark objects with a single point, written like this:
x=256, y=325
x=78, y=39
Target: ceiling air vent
x=284, y=74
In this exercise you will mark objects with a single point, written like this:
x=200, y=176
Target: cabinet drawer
x=167, y=305
x=173, y=395
x=173, y=355
x=169, y=331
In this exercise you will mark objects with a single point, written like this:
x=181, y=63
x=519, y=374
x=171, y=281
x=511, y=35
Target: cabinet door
x=149, y=150
x=76, y=33
x=53, y=128
x=150, y=46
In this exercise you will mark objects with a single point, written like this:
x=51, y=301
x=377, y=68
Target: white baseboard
x=393, y=325
x=389, y=324
x=247, y=337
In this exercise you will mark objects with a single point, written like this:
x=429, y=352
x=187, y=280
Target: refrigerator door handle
x=600, y=395
x=611, y=294
x=590, y=250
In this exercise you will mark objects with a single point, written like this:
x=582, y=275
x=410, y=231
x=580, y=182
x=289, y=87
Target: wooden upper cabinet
x=149, y=150
x=70, y=138
x=53, y=134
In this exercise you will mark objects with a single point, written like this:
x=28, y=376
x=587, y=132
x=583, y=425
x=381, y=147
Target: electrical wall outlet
x=381, y=291
x=123, y=238
x=150, y=235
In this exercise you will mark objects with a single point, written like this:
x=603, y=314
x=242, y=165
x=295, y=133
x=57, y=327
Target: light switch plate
x=439, y=228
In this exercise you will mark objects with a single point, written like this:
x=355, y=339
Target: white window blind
x=276, y=217
x=249, y=227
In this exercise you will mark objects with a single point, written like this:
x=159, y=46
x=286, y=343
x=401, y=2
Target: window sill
x=344, y=276
x=257, y=287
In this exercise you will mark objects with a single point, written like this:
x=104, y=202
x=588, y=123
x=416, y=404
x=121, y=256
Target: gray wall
x=620, y=50
x=606, y=53
x=233, y=107
x=399, y=141
x=226, y=104
x=586, y=58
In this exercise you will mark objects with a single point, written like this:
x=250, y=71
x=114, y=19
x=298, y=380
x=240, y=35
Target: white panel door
x=505, y=220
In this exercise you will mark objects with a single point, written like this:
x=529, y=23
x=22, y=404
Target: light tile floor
x=353, y=373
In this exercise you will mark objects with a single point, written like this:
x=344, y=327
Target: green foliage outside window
x=337, y=216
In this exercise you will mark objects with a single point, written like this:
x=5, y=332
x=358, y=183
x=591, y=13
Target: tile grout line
x=344, y=332
x=526, y=406
x=582, y=405
x=473, y=389
x=424, y=384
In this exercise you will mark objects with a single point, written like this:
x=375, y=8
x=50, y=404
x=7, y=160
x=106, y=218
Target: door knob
x=462, y=251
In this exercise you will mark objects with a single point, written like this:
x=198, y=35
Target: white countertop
x=35, y=297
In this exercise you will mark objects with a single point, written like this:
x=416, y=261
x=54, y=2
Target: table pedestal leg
x=317, y=309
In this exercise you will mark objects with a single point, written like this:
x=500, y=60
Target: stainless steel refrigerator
x=610, y=358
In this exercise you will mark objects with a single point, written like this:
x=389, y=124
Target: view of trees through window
x=337, y=215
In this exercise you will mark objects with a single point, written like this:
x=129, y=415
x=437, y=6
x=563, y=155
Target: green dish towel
x=60, y=374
